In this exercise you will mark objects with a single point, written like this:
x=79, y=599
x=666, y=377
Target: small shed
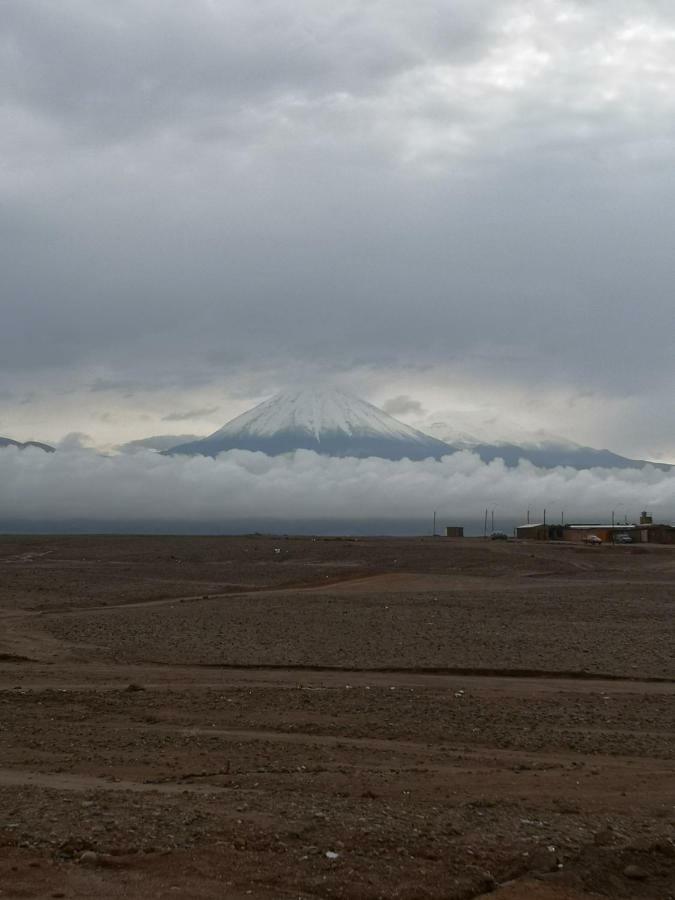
x=454, y=531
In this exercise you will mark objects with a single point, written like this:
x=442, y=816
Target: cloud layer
x=80, y=484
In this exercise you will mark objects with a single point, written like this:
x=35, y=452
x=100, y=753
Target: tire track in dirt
x=239, y=592
x=456, y=759
x=61, y=782
x=24, y=557
x=16, y=622
x=463, y=756
x=159, y=676
x=460, y=671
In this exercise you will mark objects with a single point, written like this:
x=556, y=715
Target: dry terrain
x=264, y=717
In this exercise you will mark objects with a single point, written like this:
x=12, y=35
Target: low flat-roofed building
x=537, y=531
x=606, y=533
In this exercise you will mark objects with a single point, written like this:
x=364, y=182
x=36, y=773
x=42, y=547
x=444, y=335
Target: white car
x=592, y=539
x=623, y=539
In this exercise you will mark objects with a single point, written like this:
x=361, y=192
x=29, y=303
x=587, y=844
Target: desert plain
x=279, y=717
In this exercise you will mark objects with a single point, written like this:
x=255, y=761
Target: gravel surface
x=560, y=627
x=137, y=760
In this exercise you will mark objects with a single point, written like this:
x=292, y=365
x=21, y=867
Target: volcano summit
x=330, y=422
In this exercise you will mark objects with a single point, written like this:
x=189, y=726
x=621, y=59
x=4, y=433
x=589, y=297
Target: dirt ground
x=263, y=717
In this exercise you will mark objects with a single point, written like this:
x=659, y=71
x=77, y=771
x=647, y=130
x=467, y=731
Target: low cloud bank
x=36, y=486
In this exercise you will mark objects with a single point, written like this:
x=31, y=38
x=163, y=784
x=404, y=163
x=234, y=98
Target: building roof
x=599, y=525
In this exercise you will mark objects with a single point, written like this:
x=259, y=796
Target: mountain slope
x=549, y=456
x=156, y=442
x=495, y=437
x=330, y=422
x=8, y=442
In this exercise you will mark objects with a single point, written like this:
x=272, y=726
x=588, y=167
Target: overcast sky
x=456, y=208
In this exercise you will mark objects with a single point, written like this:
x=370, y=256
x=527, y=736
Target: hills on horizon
x=550, y=455
x=9, y=442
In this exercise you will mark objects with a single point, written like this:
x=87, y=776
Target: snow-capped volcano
x=331, y=422
x=335, y=423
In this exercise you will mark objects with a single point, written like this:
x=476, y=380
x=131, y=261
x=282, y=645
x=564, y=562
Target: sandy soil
x=272, y=718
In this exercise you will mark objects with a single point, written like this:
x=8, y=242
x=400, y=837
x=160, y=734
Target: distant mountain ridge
x=8, y=442
x=493, y=436
x=552, y=455
x=329, y=422
x=156, y=442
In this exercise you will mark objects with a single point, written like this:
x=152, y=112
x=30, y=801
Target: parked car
x=592, y=539
x=623, y=539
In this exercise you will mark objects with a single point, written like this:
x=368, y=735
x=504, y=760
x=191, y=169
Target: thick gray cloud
x=403, y=405
x=227, y=196
x=146, y=486
x=190, y=414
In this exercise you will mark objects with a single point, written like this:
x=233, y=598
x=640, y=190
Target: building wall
x=661, y=534
x=579, y=535
x=655, y=534
x=532, y=532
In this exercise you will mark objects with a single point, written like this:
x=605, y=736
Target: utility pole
x=434, y=523
x=528, y=517
x=493, y=520
x=612, y=518
x=544, y=515
x=485, y=525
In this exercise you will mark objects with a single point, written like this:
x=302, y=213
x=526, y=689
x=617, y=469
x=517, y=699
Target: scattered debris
x=545, y=859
